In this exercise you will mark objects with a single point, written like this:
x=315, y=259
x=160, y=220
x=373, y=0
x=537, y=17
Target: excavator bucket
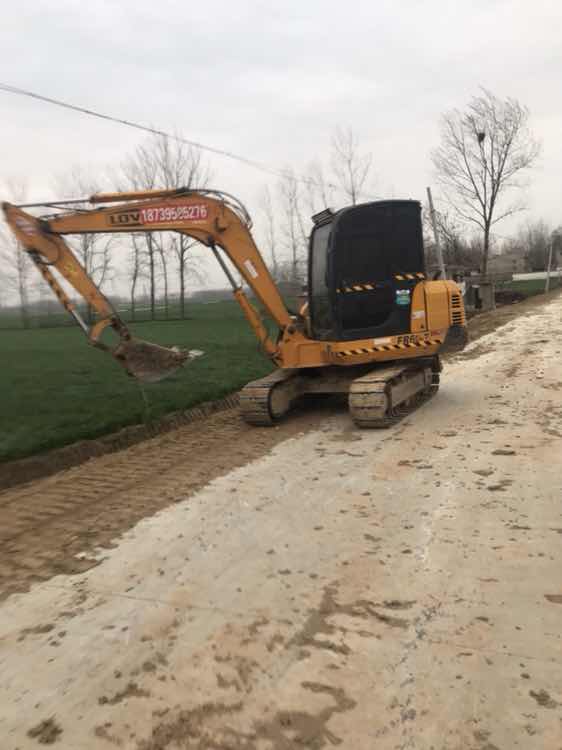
x=150, y=362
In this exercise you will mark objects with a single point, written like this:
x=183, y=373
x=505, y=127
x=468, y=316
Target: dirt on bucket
x=151, y=362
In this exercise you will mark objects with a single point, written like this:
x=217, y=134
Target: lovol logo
x=125, y=219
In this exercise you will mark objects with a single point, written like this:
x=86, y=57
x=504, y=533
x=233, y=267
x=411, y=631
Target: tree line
x=481, y=165
x=159, y=266
x=161, y=261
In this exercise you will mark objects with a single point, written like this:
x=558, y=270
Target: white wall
x=556, y=272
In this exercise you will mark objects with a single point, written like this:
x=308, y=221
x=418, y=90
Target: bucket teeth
x=150, y=362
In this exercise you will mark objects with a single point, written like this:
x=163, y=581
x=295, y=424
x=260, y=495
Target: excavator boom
x=213, y=219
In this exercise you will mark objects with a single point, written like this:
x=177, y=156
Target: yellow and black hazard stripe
x=423, y=344
x=356, y=288
x=369, y=286
x=409, y=276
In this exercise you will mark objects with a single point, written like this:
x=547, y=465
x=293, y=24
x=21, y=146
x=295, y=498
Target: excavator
x=373, y=325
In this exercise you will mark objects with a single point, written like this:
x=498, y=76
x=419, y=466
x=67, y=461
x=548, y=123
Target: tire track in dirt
x=47, y=523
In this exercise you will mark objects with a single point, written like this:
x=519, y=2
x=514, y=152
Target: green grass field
x=57, y=389
x=529, y=287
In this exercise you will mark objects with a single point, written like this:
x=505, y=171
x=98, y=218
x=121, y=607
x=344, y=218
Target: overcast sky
x=272, y=80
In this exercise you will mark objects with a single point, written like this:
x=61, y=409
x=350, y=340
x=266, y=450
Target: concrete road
x=397, y=589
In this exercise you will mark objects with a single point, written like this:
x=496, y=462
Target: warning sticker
x=251, y=269
x=402, y=296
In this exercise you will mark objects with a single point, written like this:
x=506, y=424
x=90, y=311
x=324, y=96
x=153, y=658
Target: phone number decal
x=161, y=214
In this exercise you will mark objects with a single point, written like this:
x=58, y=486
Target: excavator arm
x=212, y=218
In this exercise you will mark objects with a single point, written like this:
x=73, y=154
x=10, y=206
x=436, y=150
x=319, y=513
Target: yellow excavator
x=373, y=325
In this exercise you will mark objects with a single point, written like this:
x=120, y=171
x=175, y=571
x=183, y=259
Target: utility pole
x=547, y=282
x=436, y=234
x=554, y=241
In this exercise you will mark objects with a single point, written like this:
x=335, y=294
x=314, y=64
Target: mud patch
x=37, y=630
x=474, y=352
x=501, y=486
x=132, y=690
x=224, y=684
x=347, y=436
x=543, y=699
x=553, y=386
x=254, y=627
x=398, y=603
x=302, y=729
x=206, y=726
x=318, y=623
x=394, y=622
x=188, y=726
x=46, y=732
x=103, y=732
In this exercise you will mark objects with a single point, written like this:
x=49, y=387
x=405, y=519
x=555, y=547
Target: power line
x=155, y=131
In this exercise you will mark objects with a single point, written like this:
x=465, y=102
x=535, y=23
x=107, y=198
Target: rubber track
x=378, y=415
x=255, y=398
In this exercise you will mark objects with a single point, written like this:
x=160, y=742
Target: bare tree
x=483, y=152
x=293, y=231
x=532, y=242
x=457, y=250
x=163, y=162
x=93, y=250
x=15, y=277
x=320, y=192
x=270, y=229
x=538, y=238
x=286, y=224
x=15, y=262
x=140, y=172
x=350, y=167
x=180, y=165
x=298, y=198
x=137, y=271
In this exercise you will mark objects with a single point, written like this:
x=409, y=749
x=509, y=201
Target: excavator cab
x=364, y=262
